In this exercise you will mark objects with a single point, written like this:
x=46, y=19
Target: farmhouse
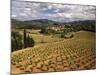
x=57, y=27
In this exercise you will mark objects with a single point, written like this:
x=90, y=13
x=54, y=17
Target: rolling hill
x=77, y=53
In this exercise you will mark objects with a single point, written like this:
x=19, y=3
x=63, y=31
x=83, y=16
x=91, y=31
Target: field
x=52, y=54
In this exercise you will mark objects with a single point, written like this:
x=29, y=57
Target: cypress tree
x=25, y=41
x=31, y=42
x=15, y=40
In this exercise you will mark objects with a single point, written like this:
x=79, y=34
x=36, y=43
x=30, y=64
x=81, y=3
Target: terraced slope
x=77, y=53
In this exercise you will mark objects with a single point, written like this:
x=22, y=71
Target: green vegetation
x=25, y=41
x=18, y=42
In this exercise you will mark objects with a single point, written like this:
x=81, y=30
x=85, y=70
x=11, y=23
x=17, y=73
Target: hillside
x=45, y=22
x=77, y=53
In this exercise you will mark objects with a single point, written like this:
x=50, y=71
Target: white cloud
x=49, y=7
x=28, y=9
x=32, y=10
x=23, y=14
x=13, y=15
x=57, y=10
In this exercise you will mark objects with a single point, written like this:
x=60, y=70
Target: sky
x=30, y=10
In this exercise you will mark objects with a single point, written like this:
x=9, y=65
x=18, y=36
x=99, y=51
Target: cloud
x=59, y=12
x=13, y=15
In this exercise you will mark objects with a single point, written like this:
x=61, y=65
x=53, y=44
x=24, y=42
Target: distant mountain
x=34, y=22
x=46, y=22
x=40, y=22
x=84, y=22
x=16, y=22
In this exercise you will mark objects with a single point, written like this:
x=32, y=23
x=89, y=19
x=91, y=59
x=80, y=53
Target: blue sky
x=29, y=10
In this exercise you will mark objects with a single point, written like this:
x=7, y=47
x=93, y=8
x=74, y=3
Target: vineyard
x=77, y=53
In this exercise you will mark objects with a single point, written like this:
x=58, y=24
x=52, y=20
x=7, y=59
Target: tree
x=30, y=41
x=16, y=41
x=25, y=42
x=43, y=30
